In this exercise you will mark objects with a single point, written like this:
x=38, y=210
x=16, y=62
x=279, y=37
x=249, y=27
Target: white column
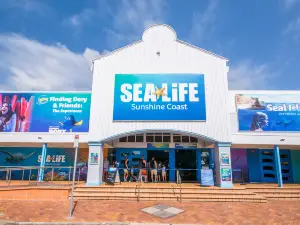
x=223, y=165
x=95, y=164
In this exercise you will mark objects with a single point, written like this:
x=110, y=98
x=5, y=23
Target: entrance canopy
x=160, y=136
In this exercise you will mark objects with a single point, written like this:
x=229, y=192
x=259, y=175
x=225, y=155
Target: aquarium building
x=164, y=98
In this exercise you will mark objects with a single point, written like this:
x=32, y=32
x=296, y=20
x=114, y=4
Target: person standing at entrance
x=153, y=166
x=164, y=173
x=159, y=165
x=105, y=167
x=126, y=169
x=143, y=170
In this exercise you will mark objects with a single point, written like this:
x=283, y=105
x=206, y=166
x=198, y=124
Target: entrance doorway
x=185, y=161
x=162, y=158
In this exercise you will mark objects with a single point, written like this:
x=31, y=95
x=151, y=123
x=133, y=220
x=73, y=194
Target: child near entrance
x=164, y=173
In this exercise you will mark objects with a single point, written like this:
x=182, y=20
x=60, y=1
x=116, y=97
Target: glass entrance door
x=186, y=163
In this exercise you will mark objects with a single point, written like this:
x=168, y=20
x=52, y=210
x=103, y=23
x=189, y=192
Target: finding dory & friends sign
x=268, y=112
x=159, y=97
x=45, y=112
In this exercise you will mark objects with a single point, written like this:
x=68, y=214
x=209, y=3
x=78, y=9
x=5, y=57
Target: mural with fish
x=56, y=157
x=45, y=112
x=268, y=112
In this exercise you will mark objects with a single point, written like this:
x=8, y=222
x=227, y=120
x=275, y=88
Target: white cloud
x=81, y=18
x=247, y=75
x=29, y=65
x=132, y=17
x=289, y=3
x=293, y=26
x=129, y=18
x=203, y=22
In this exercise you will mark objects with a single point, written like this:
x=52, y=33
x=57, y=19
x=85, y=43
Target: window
x=285, y=170
x=177, y=139
x=193, y=139
x=158, y=138
x=131, y=138
x=149, y=138
x=166, y=138
x=139, y=138
x=268, y=168
x=267, y=160
x=123, y=139
x=269, y=175
x=268, y=153
x=185, y=139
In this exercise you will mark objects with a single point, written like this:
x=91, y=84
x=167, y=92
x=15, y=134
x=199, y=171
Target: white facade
x=175, y=57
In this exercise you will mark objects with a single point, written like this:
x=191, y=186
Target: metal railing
x=139, y=185
x=180, y=187
x=37, y=176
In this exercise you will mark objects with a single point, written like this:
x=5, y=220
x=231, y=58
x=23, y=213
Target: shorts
x=154, y=171
x=105, y=169
x=164, y=173
x=144, y=172
x=125, y=170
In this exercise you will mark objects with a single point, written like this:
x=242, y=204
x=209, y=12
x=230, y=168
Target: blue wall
x=254, y=165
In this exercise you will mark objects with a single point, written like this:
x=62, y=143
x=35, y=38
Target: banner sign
x=185, y=146
x=268, y=112
x=159, y=97
x=45, y=112
x=157, y=145
x=207, y=178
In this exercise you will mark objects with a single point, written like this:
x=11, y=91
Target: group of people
x=154, y=169
x=158, y=170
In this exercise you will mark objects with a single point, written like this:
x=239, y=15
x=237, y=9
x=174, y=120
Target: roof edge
x=116, y=50
x=201, y=49
x=178, y=40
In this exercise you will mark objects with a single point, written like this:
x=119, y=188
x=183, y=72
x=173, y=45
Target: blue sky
x=49, y=44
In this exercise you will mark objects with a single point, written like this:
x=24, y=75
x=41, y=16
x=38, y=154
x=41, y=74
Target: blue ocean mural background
x=56, y=157
x=268, y=112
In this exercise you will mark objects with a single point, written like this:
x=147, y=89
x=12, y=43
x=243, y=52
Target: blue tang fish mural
x=70, y=122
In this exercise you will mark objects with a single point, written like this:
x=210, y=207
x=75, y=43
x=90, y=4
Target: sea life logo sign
x=157, y=97
x=268, y=112
x=45, y=112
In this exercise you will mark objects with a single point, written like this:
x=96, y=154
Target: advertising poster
x=44, y=112
x=207, y=177
x=268, y=112
x=94, y=158
x=55, y=157
x=225, y=159
x=226, y=174
x=157, y=97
